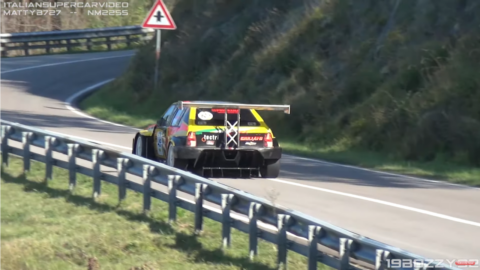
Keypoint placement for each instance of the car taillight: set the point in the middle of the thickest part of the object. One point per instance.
(268, 141)
(191, 139)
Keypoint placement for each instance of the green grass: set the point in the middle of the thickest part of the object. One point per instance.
(44, 226)
(436, 169)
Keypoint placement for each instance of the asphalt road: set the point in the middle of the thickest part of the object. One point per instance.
(430, 218)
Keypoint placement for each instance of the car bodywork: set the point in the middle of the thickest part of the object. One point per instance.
(207, 137)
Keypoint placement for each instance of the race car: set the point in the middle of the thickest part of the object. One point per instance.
(213, 138)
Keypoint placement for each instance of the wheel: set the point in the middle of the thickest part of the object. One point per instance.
(271, 169)
(140, 143)
(175, 162)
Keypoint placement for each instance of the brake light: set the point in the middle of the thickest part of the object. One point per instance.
(191, 139)
(229, 111)
(268, 141)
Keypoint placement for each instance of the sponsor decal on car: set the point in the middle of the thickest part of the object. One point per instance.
(209, 137)
(250, 143)
(210, 143)
(251, 138)
(205, 115)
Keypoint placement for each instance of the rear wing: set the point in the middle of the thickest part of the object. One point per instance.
(225, 105)
(232, 130)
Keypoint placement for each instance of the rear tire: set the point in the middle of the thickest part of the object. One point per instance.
(175, 162)
(271, 169)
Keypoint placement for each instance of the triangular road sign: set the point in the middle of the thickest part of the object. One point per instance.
(159, 18)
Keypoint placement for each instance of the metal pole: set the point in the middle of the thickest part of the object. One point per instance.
(157, 56)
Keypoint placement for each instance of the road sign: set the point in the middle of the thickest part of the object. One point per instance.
(159, 18)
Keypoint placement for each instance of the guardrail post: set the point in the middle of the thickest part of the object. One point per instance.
(69, 45)
(345, 249)
(148, 172)
(313, 236)
(109, 43)
(199, 192)
(381, 259)
(97, 156)
(6, 131)
(227, 221)
(26, 139)
(47, 46)
(173, 181)
(49, 144)
(122, 166)
(25, 48)
(72, 165)
(253, 232)
(89, 44)
(282, 225)
(128, 40)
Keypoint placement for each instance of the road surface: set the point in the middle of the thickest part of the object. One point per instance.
(430, 218)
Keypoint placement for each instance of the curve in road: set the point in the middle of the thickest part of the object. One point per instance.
(431, 218)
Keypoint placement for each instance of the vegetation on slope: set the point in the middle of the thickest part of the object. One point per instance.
(47, 227)
(396, 78)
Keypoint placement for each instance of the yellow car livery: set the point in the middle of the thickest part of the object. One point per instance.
(213, 138)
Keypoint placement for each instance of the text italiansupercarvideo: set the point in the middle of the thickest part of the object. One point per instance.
(65, 5)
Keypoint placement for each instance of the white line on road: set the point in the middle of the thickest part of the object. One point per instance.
(459, 220)
(385, 173)
(71, 99)
(91, 88)
(404, 207)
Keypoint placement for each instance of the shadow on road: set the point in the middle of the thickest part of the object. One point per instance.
(62, 121)
(314, 171)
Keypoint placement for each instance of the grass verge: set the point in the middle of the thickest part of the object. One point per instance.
(44, 226)
(96, 106)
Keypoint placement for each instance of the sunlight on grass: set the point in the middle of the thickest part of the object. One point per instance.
(118, 117)
(46, 227)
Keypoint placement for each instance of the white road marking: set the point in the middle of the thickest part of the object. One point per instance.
(386, 173)
(404, 207)
(71, 99)
(91, 88)
(459, 220)
(64, 63)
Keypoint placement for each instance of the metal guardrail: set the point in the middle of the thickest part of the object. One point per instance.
(53, 39)
(319, 241)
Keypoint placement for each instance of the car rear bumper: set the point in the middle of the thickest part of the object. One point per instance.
(243, 155)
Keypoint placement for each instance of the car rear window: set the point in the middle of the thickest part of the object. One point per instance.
(215, 117)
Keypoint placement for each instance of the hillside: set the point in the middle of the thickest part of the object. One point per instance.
(393, 77)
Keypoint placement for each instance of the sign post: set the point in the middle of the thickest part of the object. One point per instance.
(159, 18)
